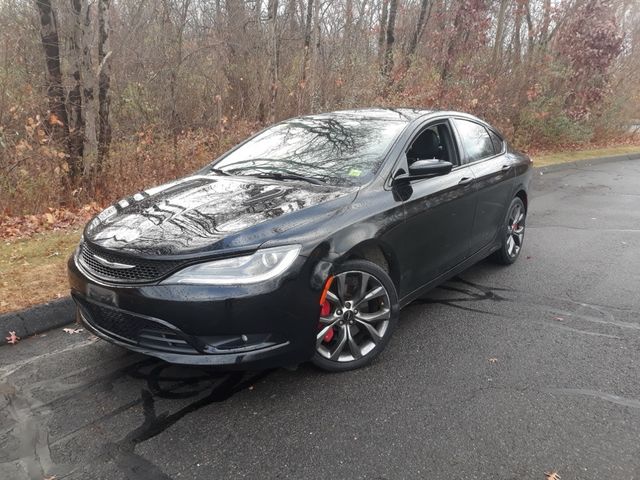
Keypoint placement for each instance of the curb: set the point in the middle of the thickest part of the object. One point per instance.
(585, 162)
(58, 313)
(40, 318)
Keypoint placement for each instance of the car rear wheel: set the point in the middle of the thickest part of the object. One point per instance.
(357, 318)
(513, 233)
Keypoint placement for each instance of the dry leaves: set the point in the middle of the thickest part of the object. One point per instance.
(54, 219)
(552, 475)
(54, 120)
(12, 338)
(492, 360)
(72, 331)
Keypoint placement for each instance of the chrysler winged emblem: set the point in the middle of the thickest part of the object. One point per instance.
(116, 265)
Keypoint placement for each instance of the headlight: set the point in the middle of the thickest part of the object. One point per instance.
(265, 264)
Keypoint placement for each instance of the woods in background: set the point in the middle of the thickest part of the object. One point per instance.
(100, 98)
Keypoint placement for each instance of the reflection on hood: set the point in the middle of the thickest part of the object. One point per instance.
(198, 211)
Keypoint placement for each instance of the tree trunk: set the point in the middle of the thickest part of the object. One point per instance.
(273, 62)
(76, 125)
(546, 22)
(348, 25)
(307, 41)
(387, 67)
(306, 52)
(90, 147)
(58, 120)
(517, 46)
(315, 84)
(497, 46)
(423, 17)
(530, 30)
(104, 81)
(452, 48)
(382, 33)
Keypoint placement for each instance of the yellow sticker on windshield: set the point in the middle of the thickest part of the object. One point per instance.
(355, 172)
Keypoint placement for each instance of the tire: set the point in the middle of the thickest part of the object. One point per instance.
(512, 233)
(356, 330)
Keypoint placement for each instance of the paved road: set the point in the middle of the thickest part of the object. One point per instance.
(503, 373)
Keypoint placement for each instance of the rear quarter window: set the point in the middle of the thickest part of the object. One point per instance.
(498, 143)
(475, 139)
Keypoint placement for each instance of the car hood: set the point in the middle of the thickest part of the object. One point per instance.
(207, 212)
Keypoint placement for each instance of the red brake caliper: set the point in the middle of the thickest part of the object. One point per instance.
(325, 310)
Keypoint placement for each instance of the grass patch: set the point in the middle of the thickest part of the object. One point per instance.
(34, 270)
(552, 158)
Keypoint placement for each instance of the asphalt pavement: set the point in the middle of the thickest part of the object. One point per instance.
(502, 373)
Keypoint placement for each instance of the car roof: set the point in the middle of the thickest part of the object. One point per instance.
(398, 114)
(391, 114)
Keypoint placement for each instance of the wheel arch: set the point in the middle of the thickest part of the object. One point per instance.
(522, 195)
(376, 252)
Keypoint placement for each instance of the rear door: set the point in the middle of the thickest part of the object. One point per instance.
(438, 211)
(494, 173)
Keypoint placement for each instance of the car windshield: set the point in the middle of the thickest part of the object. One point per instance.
(335, 149)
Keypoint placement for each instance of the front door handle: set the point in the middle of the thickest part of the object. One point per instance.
(465, 181)
(506, 168)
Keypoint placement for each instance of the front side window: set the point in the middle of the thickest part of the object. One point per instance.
(435, 142)
(335, 149)
(475, 140)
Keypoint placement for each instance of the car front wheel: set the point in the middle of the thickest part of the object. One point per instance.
(357, 318)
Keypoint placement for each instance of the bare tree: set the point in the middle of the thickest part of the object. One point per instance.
(423, 17)
(273, 58)
(315, 87)
(76, 127)
(104, 81)
(89, 111)
(387, 66)
(55, 91)
(497, 46)
(382, 31)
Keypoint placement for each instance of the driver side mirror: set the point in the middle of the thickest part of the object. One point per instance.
(429, 168)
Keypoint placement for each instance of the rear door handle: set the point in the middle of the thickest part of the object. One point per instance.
(465, 181)
(506, 168)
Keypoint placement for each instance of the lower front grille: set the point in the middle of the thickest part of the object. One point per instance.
(134, 329)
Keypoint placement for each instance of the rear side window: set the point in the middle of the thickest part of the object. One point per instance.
(475, 140)
(498, 143)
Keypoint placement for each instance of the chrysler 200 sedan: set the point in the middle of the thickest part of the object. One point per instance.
(303, 242)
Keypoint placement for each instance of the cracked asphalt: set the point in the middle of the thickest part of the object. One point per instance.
(502, 373)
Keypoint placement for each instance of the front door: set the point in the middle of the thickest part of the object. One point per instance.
(439, 211)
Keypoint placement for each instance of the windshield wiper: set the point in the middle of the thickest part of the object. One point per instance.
(219, 172)
(289, 176)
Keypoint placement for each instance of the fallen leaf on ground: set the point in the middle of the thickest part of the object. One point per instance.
(71, 331)
(12, 338)
(493, 360)
(559, 319)
(553, 475)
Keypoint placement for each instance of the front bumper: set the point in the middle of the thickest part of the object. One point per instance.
(245, 327)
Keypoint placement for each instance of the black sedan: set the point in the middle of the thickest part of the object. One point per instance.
(303, 242)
